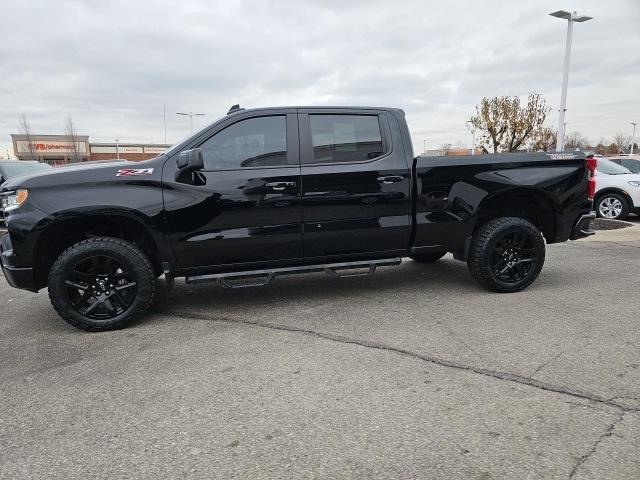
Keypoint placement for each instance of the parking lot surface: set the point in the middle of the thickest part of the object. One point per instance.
(414, 372)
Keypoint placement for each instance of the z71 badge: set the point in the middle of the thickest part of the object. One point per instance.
(133, 172)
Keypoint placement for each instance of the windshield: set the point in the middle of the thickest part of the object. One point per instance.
(13, 169)
(610, 168)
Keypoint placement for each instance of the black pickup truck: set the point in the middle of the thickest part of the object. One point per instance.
(274, 191)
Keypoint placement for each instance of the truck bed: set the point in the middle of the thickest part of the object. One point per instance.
(454, 194)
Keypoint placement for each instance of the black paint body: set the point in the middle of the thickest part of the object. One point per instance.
(297, 213)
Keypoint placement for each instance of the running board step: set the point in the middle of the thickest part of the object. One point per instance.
(259, 278)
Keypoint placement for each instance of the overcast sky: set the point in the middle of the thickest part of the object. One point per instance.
(111, 65)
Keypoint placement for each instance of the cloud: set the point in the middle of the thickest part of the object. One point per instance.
(113, 65)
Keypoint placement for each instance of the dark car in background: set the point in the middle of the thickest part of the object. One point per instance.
(14, 168)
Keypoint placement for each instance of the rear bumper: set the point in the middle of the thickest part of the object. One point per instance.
(582, 228)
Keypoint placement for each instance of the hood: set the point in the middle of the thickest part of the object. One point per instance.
(81, 173)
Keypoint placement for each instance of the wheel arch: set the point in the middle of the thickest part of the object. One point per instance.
(618, 190)
(69, 229)
(529, 204)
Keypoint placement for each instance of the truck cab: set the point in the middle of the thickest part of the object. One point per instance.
(287, 185)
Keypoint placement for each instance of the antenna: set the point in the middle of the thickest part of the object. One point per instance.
(235, 108)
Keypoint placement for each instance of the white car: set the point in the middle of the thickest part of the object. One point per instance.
(617, 191)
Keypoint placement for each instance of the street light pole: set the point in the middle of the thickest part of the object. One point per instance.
(190, 115)
(164, 118)
(633, 137)
(117, 149)
(565, 83)
(571, 18)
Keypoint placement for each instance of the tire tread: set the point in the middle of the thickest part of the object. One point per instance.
(476, 262)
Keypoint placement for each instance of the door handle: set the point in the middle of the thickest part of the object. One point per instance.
(390, 179)
(279, 186)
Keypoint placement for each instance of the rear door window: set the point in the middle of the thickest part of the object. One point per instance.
(345, 138)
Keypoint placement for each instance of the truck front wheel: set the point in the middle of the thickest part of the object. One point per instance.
(506, 254)
(101, 283)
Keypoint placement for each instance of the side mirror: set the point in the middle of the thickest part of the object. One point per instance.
(190, 160)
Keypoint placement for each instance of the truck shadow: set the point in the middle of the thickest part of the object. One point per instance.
(445, 277)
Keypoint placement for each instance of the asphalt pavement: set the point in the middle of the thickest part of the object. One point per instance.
(412, 373)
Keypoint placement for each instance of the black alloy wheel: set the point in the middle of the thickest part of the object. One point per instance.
(100, 287)
(514, 257)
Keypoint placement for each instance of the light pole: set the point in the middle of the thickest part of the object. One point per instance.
(190, 115)
(164, 118)
(633, 137)
(117, 149)
(570, 17)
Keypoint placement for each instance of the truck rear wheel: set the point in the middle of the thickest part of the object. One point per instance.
(101, 283)
(506, 255)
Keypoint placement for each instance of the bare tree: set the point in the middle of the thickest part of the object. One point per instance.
(545, 139)
(612, 149)
(576, 140)
(504, 125)
(25, 127)
(72, 139)
(622, 140)
(446, 148)
(600, 148)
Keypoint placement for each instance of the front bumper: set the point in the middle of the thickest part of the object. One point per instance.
(582, 228)
(18, 277)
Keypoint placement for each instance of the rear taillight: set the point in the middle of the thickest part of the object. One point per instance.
(592, 166)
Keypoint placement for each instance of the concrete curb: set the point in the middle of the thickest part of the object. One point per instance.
(630, 234)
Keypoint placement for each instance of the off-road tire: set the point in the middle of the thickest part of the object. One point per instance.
(124, 252)
(487, 238)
